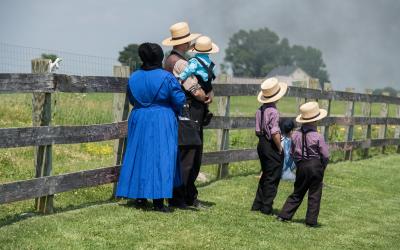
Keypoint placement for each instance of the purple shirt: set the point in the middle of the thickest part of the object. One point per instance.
(317, 148)
(270, 122)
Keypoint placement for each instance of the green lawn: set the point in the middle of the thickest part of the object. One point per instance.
(360, 210)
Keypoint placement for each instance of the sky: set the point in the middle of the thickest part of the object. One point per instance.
(359, 39)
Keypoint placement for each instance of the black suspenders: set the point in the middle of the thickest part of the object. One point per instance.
(211, 75)
(304, 146)
(262, 132)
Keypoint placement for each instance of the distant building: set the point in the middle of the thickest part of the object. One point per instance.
(290, 74)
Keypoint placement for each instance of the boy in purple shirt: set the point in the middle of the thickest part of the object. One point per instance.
(311, 154)
(269, 147)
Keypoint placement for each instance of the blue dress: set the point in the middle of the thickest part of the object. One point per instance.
(150, 167)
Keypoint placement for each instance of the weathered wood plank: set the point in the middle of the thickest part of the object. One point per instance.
(223, 134)
(384, 113)
(249, 122)
(253, 89)
(41, 116)
(350, 128)
(120, 113)
(14, 83)
(88, 84)
(22, 137)
(366, 111)
(227, 156)
(50, 185)
(326, 104)
(299, 100)
(26, 83)
(397, 129)
(36, 136)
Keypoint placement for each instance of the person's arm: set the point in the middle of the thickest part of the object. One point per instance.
(275, 130)
(191, 85)
(277, 140)
(323, 151)
(189, 70)
(177, 96)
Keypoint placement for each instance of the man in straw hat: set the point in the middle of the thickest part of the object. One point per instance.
(190, 155)
(311, 155)
(269, 147)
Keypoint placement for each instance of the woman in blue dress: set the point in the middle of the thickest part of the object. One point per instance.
(150, 167)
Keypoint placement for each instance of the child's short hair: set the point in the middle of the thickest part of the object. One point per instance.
(286, 126)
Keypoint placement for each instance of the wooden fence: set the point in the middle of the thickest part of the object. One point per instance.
(42, 135)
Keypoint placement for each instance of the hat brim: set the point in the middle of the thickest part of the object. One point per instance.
(322, 114)
(214, 49)
(283, 88)
(170, 42)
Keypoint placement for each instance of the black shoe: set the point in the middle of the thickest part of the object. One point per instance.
(182, 206)
(281, 219)
(199, 205)
(255, 209)
(266, 211)
(138, 203)
(313, 225)
(163, 209)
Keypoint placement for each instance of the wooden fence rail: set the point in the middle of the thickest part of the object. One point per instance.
(46, 186)
(48, 135)
(50, 83)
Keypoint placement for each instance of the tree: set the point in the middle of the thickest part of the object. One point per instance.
(255, 53)
(392, 92)
(129, 56)
(310, 60)
(52, 57)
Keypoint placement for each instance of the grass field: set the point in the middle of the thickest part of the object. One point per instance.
(360, 210)
(103, 219)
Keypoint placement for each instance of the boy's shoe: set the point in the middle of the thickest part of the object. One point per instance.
(266, 211)
(281, 219)
(313, 225)
(200, 205)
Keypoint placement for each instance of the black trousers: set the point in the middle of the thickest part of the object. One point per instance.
(309, 177)
(190, 161)
(271, 165)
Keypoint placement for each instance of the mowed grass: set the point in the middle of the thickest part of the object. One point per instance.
(360, 210)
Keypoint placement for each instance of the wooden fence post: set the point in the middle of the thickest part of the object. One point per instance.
(120, 113)
(397, 129)
(298, 99)
(223, 134)
(41, 116)
(326, 104)
(366, 111)
(350, 128)
(383, 128)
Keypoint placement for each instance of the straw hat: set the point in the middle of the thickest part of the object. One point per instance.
(310, 112)
(271, 90)
(204, 44)
(180, 34)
